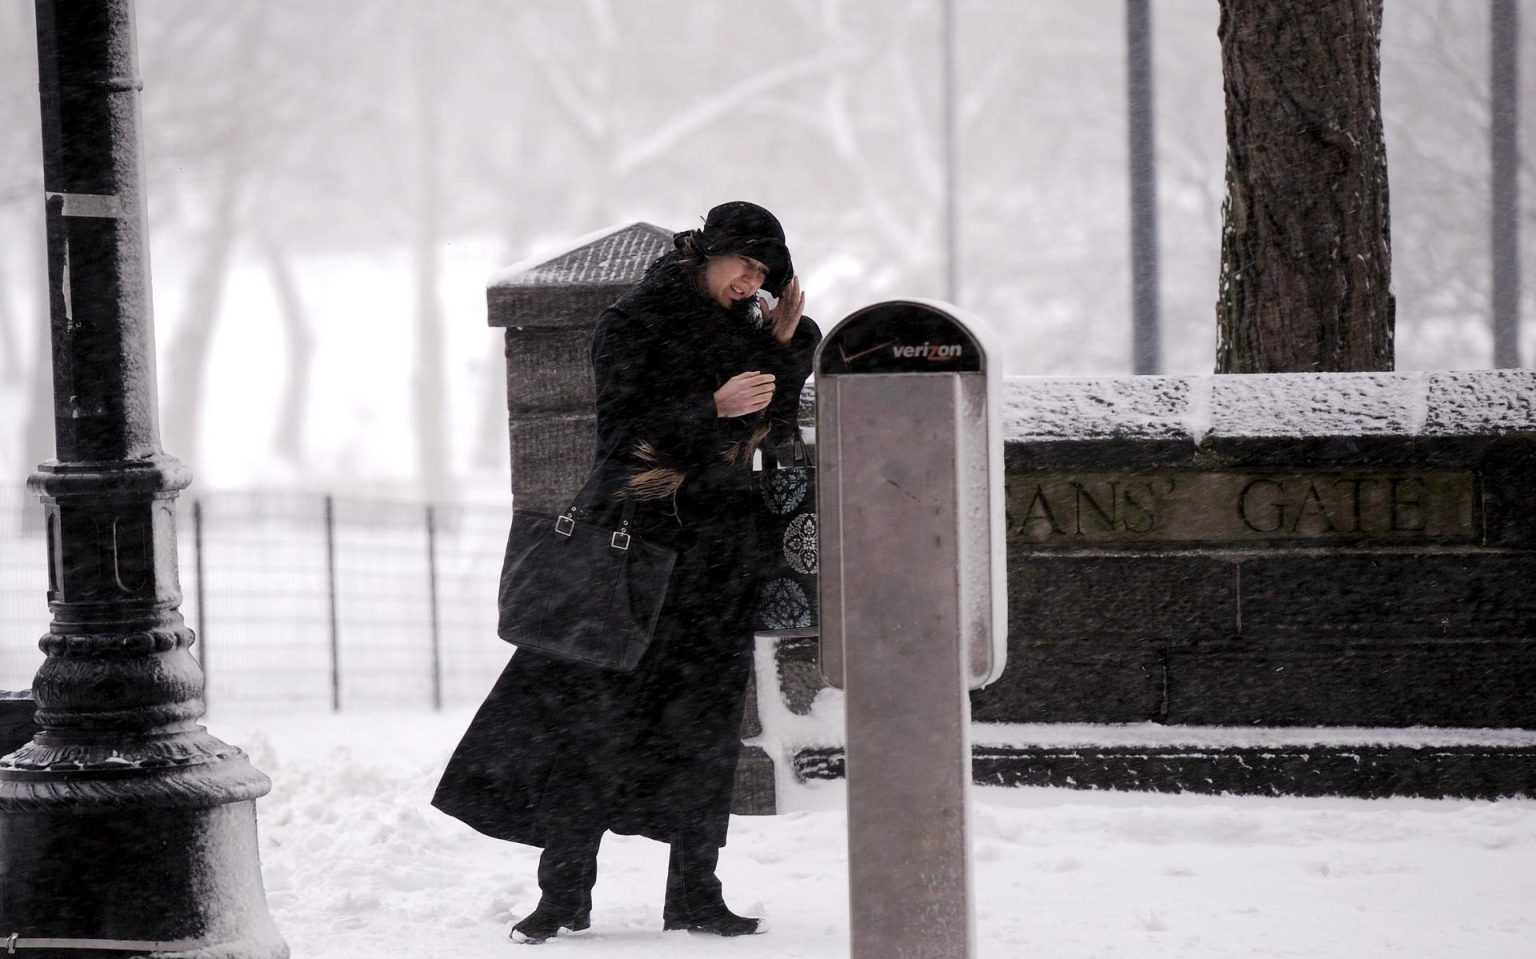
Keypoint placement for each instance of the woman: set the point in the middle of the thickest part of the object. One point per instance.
(693, 373)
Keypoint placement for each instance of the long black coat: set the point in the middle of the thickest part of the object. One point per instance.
(560, 748)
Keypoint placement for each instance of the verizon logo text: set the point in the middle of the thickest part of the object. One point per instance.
(927, 351)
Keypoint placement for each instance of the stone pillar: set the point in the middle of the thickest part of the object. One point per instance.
(549, 310)
(755, 793)
(124, 825)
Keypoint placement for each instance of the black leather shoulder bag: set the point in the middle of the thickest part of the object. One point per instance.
(579, 591)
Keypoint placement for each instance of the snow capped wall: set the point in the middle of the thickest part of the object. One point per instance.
(1398, 544)
(1280, 404)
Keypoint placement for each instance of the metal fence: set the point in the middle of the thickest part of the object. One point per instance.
(304, 600)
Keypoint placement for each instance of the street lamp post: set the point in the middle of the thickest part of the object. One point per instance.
(1146, 341)
(124, 825)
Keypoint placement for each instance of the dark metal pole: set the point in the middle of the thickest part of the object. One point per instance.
(1146, 346)
(123, 823)
(330, 586)
(1504, 150)
(951, 159)
(437, 641)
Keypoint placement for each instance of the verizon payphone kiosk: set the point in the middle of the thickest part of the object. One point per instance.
(913, 614)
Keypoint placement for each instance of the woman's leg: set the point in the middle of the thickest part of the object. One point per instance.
(694, 896)
(567, 873)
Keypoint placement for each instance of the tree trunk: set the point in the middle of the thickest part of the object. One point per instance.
(431, 401)
(1306, 254)
(37, 437)
(187, 356)
(293, 403)
(10, 343)
(491, 431)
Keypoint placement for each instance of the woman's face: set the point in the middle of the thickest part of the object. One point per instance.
(731, 278)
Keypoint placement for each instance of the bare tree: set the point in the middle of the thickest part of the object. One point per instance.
(241, 144)
(21, 207)
(293, 401)
(187, 357)
(11, 366)
(573, 52)
(1306, 250)
(21, 181)
(1438, 95)
(431, 414)
(221, 158)
(37, 442)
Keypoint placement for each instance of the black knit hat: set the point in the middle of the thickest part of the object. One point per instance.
(746, 229)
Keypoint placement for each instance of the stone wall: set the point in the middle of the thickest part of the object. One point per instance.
(1329, 549)
(1266, 579)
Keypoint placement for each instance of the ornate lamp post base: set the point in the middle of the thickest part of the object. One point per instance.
(183, 878)
(124, 821)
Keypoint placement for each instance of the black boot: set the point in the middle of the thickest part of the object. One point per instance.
(567, 872)
(547, 921)
(694, 900)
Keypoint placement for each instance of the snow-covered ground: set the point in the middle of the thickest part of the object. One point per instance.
(358, 864)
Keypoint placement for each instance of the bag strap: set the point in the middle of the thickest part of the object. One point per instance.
(591, 491)
(565, 523)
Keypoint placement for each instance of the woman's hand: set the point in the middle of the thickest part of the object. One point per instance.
(744, 393)
(784, 316)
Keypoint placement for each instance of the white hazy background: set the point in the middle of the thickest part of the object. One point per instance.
(332, 181)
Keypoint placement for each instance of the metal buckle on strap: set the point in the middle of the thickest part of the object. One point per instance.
(564, 525)
(620, 540)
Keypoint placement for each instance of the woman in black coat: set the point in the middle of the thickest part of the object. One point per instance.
(693, 374)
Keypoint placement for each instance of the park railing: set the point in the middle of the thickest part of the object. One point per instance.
(304, 600)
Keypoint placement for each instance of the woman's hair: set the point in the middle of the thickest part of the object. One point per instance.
(676, 267)
(687, 254)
